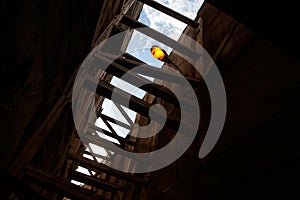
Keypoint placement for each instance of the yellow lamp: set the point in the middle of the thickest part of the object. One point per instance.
(159, 54)
(162, 55)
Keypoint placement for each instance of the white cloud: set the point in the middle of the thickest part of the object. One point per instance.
(164, 23)
(188, 8)
(168, 25)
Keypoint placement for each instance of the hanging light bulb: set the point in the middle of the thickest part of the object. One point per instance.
(159, 54)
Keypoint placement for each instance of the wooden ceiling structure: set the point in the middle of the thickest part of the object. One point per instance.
(103, 182)
(257, 148)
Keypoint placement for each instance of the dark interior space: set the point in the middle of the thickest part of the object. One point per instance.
(255, 45)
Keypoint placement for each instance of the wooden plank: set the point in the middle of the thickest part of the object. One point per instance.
(115, 121)
(92, 181)
(159, 37)
(126, 6)
(135, 104)
(106, 158)
(155, 72)
(99, 22)
(59, 167)
(88, 138)
(170, 12)
(128, 62)
(113, 135)
(118, 70)
(99, 167)
(59, 185)
(124, 113)
(74, 147)
(98, 38)
(112, 130)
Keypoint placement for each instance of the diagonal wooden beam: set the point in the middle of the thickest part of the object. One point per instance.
(89, 138)
(115, 121)
(111, 134)
(124, 113)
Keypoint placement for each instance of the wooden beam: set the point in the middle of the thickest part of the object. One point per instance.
(130, 62)
(57, 184)
(124, 113)
(98, 38)
(138, 105)
(111, 131)
(170, 12)
(159, 37)
(94, 155)
(90, 138)
(126, 6)
(118, 70)
(69, 147)
(127, 62)
(99, 167)
(92, 181)
(115, 121)
(113, 135)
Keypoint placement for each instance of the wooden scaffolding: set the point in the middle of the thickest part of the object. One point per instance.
(102, 182)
